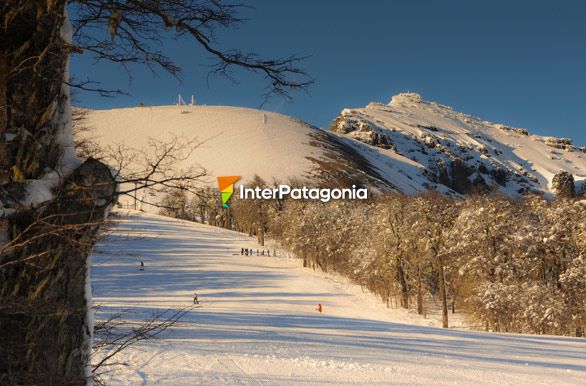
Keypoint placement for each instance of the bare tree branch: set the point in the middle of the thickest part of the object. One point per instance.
(116, 334)
(104, 92)
(134, 31)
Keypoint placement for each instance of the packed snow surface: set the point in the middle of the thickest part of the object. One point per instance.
(258, 325)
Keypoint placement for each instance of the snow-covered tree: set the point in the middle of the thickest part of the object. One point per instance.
(176, 204)
(563, 185)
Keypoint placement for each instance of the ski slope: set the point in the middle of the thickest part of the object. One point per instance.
(257, 323)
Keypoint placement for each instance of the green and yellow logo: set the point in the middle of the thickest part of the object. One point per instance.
(226, 184)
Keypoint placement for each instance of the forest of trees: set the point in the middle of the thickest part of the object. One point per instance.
(510, 265)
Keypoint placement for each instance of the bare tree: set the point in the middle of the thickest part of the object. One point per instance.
(84, 142)
(128, 32)
(438, 214)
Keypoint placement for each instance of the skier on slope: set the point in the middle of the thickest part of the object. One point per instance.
(319, 308)
(195, 299)
(141, 265)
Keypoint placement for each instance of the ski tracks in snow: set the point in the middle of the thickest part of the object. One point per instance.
(236, 374)
(257, 324)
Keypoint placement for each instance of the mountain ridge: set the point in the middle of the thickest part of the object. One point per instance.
(460, 151)
(409, 145)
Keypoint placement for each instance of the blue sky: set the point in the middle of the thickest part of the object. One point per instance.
(517, 62)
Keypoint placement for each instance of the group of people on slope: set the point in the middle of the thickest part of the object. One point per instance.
(250, 252)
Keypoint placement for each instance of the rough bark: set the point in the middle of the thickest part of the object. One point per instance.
(42, 300)
(4, 169)
(43, 326)
(35, 59)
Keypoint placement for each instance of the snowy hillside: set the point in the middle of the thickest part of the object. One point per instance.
(235, 141)
(409, 145)
(438, 146)
(257, 323)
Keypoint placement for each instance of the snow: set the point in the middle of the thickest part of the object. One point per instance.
(69, 160)
(235, 141)
(257, 323)
(242, 141)
(408, 121)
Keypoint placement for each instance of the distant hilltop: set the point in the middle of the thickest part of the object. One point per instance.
(464, 153)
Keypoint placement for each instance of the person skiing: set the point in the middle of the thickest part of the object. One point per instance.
(257, 252)
(263, 252)
(195, 299)
(141, 265)
(319, 308)
(268, 252)
(241, 251)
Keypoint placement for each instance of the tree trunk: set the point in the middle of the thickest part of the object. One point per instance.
(442, 293)
(419, 292)
(228, 219)
(261, 236)
(260, 230)
(4, 174)
(43, 312)
(404, 286)
(43, 309)
(202, 216)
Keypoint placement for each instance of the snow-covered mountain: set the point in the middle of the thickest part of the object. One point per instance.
(439, 147)
(238, 141)
(409, 145)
